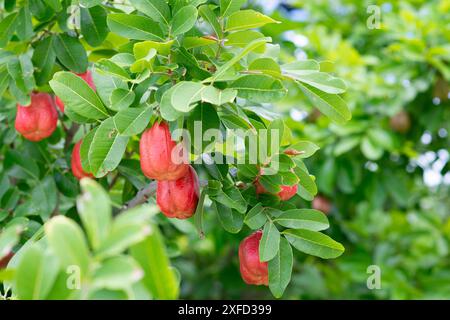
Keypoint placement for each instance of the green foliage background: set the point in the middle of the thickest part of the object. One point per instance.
(388, 190)
(382, 210)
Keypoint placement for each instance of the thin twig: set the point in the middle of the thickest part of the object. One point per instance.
(70, 134)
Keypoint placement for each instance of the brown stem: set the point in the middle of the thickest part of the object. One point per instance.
(142, 196)
(70, 133)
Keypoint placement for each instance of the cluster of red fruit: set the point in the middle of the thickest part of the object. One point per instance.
(161, 159)
(38, 121)
(166, 161)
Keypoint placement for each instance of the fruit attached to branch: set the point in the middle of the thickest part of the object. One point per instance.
(253, 271)
(161, 157)
(286, 193)
(179, 198)
(77, 169)
(38, 120)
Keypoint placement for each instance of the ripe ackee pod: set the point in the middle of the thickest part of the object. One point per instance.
(77, 168)
(253, 271)
(286, 193)
(161, 157)
(179, 198)
(38, 120)
(5, 260)
(87, 76)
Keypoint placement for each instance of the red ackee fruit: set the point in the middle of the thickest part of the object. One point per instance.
(87, 76)
(179, 198)
(77, 168)
(161, 157)
(38, 120)
(286, 193)
(253, 271)
(5, 260)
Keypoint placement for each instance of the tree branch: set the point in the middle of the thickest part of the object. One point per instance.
(70, 133)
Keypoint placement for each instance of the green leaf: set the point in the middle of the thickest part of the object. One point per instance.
(309, 219)
(247, 19)
(256, 217)
(24, 27)
(300, 68)
(133, 121)
(93, 25)
(253, 45)
(56, 4)
(143, 49)
(198, 217)
(108, 67)
(134, 27)
(40, 10)
(270, 242)
(70, 53)
(280, 269)
(228, 7)
(21, 70)
(333, 106)
(9, 237)
(128, 229)
(306, 148)
(94, 209)
(324, 82)
(44, 197)
(107, 149)
(77, 96)
(90, 3)
(314, 243)
(117, 273)
(68, 243)
(7, 28)
(306, 180)
(218, 97)
(202, 119)
(243, 38)
(105, 85)
(184, 20)
(271, 183)
(144, 63)
(167, 110)
(370, 149)
(84, 150)
(4, 81)
(266, 66)
(121, 99)
(159, 278)
(259, 88)
(231, 220)
(209, 16)
(158, 10)
(44, 59)
(186, 95)
(231, 197)
(195, 42)
(346, 144)
(28, 166)
(36, 272)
